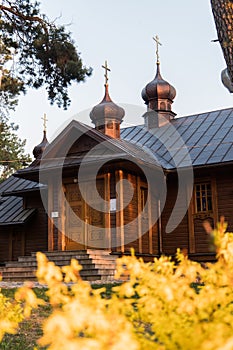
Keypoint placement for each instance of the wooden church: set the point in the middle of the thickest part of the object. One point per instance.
(149, 187)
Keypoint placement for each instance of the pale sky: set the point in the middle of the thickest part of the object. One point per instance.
(121, 32)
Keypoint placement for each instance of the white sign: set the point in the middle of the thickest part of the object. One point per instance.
(113, 204)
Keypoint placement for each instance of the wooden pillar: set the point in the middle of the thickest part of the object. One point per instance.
(159, 228)
(120, 213)
(107, 209)
(61, 219)
(214, 200)
(192, 248)
(50, 219)
(139, 215)
(150, 231)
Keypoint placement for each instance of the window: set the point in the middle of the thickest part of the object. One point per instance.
(110, 125)
(203, 197)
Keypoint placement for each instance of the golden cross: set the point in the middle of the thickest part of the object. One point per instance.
(156, 39)
(45, 120)
(106, 72)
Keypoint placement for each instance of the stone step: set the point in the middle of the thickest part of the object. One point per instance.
(22, 277)
(96, 265)
(86, 264)
(66, 260)
(75, 252)
(88, 271)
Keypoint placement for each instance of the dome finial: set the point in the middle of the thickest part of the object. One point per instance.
(39, 149)
(107, 69)
(158, 96)
(156, 39)
(107, 116)
(44, 120)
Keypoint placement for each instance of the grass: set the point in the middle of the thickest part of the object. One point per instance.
(30, 330)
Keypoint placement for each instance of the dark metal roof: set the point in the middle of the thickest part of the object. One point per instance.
(196, 140)
(11, 207)
(206, 138)
(12, 212)
(15, 186)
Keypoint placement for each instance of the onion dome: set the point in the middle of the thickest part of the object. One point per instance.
(107, 115)
(158, 89)
(39, 149)
(106, 110)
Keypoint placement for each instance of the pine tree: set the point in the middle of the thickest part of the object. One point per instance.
(12, 154)
(44, 54)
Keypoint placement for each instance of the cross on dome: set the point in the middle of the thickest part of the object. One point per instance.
(44, 122)
(107, 69)
(156, 39)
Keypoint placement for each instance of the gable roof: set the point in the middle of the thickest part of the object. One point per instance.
(208, 138)
(56, 155)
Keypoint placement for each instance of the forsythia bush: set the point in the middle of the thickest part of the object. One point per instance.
(162, 305)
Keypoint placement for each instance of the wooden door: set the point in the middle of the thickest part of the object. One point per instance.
(95, 217)
(75, 228)
(85, 225)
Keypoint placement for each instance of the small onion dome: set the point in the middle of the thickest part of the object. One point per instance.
(158, 89)
(106, 110)
(39, 149)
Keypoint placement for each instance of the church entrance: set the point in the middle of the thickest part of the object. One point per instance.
(85, 224)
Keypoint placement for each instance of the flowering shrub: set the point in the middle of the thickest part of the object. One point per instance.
(161, 306)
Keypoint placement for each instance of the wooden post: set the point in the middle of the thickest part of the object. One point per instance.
(107, 209)
(139, 215)
(120, 213)
(61, 219)
(50, 220)
(214, 200)
(192, 248)
(159, 227)
(150, 222)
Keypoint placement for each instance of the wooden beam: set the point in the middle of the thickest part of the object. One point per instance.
(159, 227)
(61, 219)
(50, 220)
(214, 200)
(192, 248)
(107, 208)
(120, 213)
(150, 222)
(139, 215)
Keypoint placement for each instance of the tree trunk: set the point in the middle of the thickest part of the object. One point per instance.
(223, 16)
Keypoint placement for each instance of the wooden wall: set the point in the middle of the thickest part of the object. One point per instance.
(36, 229)
(198, 246)
(4, 243)
(179, 237)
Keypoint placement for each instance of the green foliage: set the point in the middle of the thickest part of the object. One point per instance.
(45, 54)
(12, 155)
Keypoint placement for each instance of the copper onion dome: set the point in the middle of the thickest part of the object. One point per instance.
(107, 116)
(158, 89)
(106, 110)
